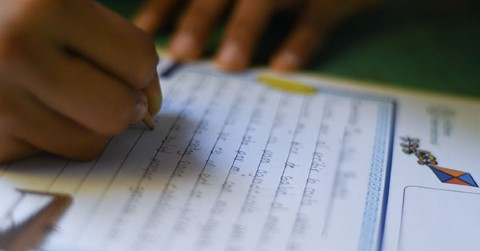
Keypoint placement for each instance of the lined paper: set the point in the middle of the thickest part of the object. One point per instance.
(232, 165)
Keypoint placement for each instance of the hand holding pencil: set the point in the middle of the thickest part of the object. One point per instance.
(72, 74)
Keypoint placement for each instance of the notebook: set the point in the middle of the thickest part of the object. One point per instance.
(269, 161)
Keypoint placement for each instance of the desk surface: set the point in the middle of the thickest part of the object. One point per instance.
(430, 45)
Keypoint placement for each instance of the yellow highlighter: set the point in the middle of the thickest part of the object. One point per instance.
(287, 85)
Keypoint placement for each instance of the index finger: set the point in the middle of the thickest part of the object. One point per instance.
(153, 14)
(249, 19)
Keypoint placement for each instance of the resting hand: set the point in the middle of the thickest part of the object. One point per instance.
(249, 17)
(72, 74)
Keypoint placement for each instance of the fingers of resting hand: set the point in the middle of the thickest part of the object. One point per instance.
(248, 21)
(318, 17)
(306, 37)
(34, 126)
(195, 28)
(298, 48)
(153, 14)
(111, 43)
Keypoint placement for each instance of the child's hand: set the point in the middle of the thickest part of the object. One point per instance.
(248, 20)
(71, 75)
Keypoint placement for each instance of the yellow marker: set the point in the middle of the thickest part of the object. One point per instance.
(287, 85)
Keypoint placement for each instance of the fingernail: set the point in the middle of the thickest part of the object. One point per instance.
(148, 19)
(141, 108)
(286, 61)
(183, 46)
(145, 21)
(231, 58)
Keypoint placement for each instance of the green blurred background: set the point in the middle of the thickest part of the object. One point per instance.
(424, 44)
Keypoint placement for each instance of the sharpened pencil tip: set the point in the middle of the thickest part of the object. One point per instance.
(149, 121)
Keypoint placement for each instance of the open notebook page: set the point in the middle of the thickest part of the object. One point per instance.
(232, 165)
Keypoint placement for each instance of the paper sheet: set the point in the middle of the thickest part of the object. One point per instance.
(425, 194)
(440, 214)
(232, 165)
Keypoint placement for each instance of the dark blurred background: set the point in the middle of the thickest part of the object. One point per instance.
(432, 45)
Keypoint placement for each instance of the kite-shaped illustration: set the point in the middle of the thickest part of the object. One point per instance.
(445, 175)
